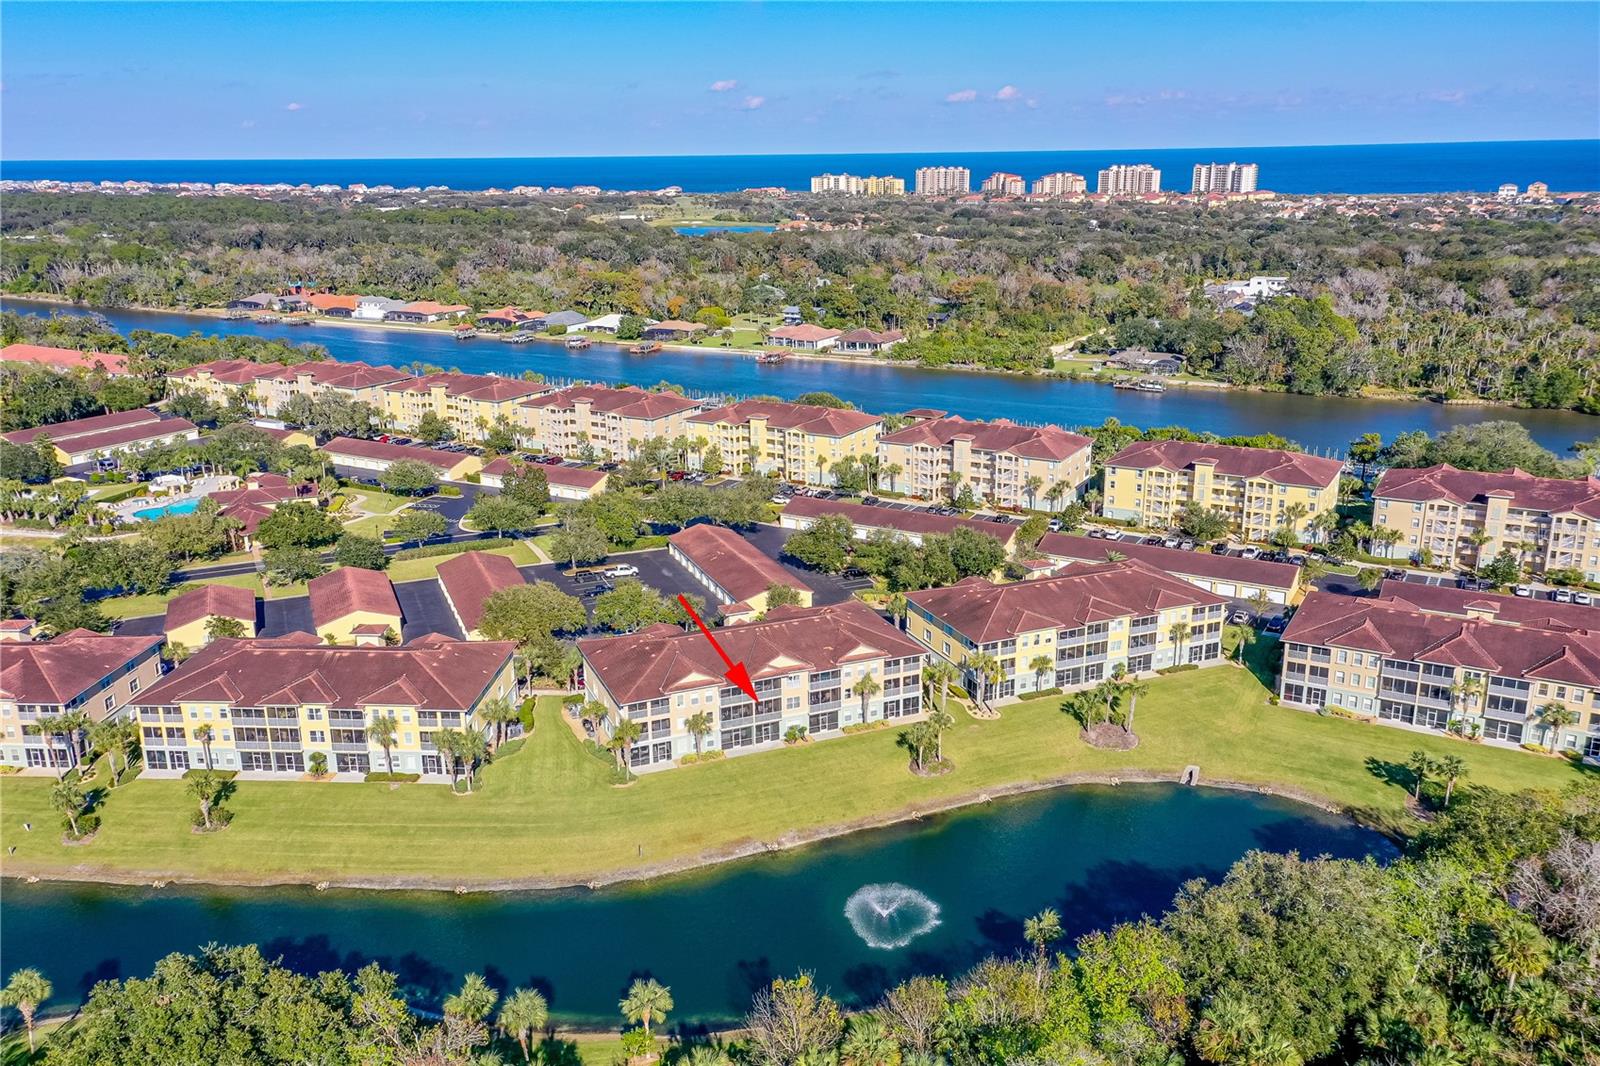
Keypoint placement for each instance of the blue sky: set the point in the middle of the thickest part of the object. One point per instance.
(283, 80)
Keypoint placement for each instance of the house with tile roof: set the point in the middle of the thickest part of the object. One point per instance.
(1078, 626)
(1479, 667)
(1468, 517)
(803, 337)
(510, 318)
(65, 359)
(353, 382)
(673, 329)
(602, 421)
(334, 305)
(272, 703)
(471, 578)
(261, 493)
(426, 311)
(471, 404)
(78, 671)
(793, 441)
(1007, 464)
(738, 575)
(189, 613)
(350, 605)
(867, 341)
(807, 666)
(1257, 490)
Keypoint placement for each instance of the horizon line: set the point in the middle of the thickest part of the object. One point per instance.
(779, 155)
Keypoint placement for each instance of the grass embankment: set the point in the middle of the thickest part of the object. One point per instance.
(548, 812)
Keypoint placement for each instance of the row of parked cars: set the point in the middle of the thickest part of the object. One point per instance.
(1563, 595)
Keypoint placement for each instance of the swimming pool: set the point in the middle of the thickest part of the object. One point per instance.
(181, 507)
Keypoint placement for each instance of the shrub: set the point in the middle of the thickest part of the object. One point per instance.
(712, 755)
(689, 759)
(380, 776)
(1180, 668)
(450, 491)
(636, 1043)
(201, 771)
(571, 699)
(1052, 691)
(220, 817)
(318, 764)
(453, 549)
(864, 727)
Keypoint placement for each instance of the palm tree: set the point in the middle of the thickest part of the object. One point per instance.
(473, 1002)
(1056, 493)
(1133, 688)
(1420, 766)
(868, 1043)
(917, 739)
(939, 720)
(1554, 716)
(1039, 665)
(892, 471)
(67, 798)
(1466, 691)
(866, 688)
(699, 727)
(206, 789)
(987, 670)
(940, 673)
(382, 733)
(473, 748)
(25, 991)
(1032, 487)
(1452, 768)
(1519, 950)
(523, 1013)
(647, 1001)
(1227, 1026)
(897, 608)
(1108, 691)
(1041, 931)
(108, 737)
(1178, 632)
(1259, 602)
(499, 712)
(447, 742)
(623, 736)
(204, 733)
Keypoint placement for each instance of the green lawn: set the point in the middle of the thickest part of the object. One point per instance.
(156, 602)
(548, 811)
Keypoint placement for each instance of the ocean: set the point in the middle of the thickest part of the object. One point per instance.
(1565, 166)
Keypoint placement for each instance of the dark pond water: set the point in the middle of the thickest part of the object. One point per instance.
(861, 913)
(1322, 424)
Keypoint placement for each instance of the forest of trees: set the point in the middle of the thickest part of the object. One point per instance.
(1478, 947)
(1502, 309)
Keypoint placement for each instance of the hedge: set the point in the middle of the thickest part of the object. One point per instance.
(430, 550)
(407, 778)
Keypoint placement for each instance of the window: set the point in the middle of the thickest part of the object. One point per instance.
(110, 701)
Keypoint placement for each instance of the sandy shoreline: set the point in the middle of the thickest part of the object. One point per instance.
(701, 860)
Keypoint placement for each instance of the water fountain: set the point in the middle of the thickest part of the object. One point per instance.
(891, 915)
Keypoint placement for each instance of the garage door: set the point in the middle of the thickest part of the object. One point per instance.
(1225, 588)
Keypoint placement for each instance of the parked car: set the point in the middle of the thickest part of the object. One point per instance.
(1171, 542)
(1250, 552)
(1276, 624)
(1187, 544)
(1562, 595)
(1239, 618)
(1525, 591)
(622, 570)
(779, 498)
(1582, 597)
(1055, 525)
(870, 501)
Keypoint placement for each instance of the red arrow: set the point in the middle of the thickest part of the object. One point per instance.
(736, 671)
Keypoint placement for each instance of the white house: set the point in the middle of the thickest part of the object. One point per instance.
(375, 308)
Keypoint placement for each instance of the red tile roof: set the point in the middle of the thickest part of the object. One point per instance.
(663, 658)
(825, 421)
(919, 522)
(64, 358)
(470, 577)
(871, 336)
(1272, 464)
(434, 673)
(348, 589)
(433, 307)
(231, 371)
(1513, 610)
(332, 375)
(59, 671)
(472, 386)
(1173, 560)
(1000, 435)
(629, 402)
(677, 326)
(222, 601)
(1521, 489)
(85, 427)
(327, 301)
(803, 332)
(572, 476)
(1398, 630)
(742, 569)
(984, 611)
(116, 438)
(384, 452)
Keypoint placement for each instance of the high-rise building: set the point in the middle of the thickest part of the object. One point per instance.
(851, 185)
(943, 181)
(1061, 183)
(1002, 184)
(1129, 180)
(1225, 177)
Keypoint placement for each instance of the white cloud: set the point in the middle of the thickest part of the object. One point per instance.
(294, 107)
(1008, 92)
(965, 96)
(724, 85)
(752, 103)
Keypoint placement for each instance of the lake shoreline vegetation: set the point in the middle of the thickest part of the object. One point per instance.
(1403, 303)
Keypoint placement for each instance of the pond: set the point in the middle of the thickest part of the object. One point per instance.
(861, 913)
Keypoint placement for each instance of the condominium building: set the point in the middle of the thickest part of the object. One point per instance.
(1069, 630)
(76, 672)
(848, 184)
(267, 388)
(810, 668)
(1061, 183)
(793, 441)
(221, 380)
(269, 705)
(471, 404)
(1258, 490)
(1129, 180)
(738, 575)
(84, 440)
(1008, 464)
(943, 181)
(887, 185)
(1468, 517)
(1225, 177)
(593, 420)
(1485, 665)
(1002, 184)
